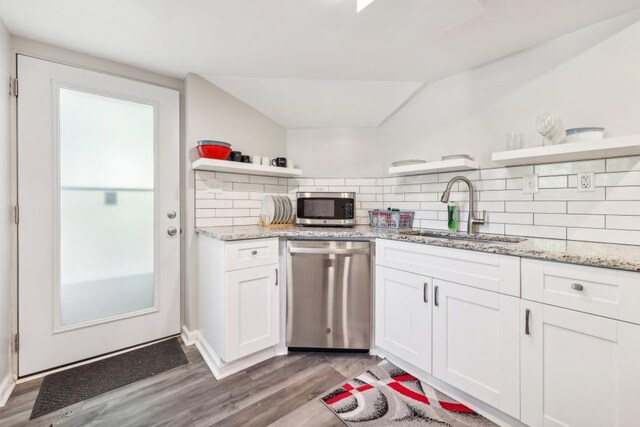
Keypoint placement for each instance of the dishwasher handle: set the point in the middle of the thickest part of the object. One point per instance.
(324, 251)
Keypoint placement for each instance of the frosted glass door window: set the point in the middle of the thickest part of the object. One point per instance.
(106, 202)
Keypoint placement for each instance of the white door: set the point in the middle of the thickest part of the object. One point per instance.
(98, 234)
(578, 370)
(476, 343)
(253, 310)
(403, 316)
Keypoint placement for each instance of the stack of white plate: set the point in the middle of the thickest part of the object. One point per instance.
(276, 210)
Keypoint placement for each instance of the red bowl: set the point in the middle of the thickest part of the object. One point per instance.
(214, 152)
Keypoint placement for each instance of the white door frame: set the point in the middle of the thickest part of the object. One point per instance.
(38, 50)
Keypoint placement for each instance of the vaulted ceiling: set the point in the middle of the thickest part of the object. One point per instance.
(306, 63)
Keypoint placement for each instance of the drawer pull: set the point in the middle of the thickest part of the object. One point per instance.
(425, 290)
(577, 287)
(436, 299)
(527, 315)
(254, 252)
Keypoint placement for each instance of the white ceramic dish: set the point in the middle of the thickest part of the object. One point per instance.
(268, 209)
(585, 134)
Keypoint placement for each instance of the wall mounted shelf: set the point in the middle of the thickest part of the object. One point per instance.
(435, 167)
(213, 165)
(571, 151)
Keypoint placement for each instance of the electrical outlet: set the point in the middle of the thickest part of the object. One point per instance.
(530, 184)
(586, 181)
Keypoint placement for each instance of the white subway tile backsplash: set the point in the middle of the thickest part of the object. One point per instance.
(329, 181)
(557, 210)
(505, 195)
(623, 164)
(213, 204)
(536, 207)
(565, 220)
(257, 179)
(570, 168)
(569, 194)
(552, 181)
(623, 222)
(536, 231)
(606, 207)
(359, 182)
(503, 173)
(623, 193)
(510, 218)
(617, 179)
(625, 237)
(241, 186)
(421, 179)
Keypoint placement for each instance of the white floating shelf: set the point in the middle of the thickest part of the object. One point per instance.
(570, 151)
(214, 165)
(434, 167)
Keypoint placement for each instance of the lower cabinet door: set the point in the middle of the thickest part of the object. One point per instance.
(403, 316)
(578, 370)
(476, 343)
(253, 307)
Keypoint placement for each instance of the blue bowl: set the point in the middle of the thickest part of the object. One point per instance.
(218, 143)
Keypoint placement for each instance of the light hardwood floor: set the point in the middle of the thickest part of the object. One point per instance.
(280, 392)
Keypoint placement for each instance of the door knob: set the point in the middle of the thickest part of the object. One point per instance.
(171, 214)
(172, 231)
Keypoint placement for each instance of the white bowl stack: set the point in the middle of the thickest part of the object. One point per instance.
(276, 210)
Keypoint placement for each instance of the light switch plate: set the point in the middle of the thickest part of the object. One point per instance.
(586, 181)
(530, 184)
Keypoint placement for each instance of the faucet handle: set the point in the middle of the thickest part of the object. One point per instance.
(482, 219)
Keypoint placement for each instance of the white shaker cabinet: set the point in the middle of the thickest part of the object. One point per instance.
(253, 310)
(403, 316)
(476, 343)
(578, 369)
(239, 301)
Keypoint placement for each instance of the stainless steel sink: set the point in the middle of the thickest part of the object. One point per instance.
(480, 238)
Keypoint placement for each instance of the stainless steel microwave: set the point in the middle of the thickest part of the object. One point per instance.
(326, 209)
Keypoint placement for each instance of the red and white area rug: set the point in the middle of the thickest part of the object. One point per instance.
(386, 395)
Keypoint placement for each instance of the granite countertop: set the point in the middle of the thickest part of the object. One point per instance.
(604, 255)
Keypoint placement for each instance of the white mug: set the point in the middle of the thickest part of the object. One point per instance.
(256, 160)
(290, 164)
(266, 161)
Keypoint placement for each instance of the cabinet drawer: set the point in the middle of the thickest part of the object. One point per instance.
(492, 272)
(250, 253)
(601, 291)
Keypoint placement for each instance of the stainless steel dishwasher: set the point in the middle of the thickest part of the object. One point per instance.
(329, 294)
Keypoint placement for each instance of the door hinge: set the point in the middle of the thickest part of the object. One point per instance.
(13, 86)
(16, 342)
(16, 214)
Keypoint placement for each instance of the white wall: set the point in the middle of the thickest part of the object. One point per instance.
(211, 113)
(5, 219)
(590, 77)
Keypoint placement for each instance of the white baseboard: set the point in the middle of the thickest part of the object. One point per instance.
(188, 336)
(487, 411)
(6, 387)
(222, 369)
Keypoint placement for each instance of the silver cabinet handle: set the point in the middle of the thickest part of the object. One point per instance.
(172, 231)
(320, 251)
(276, 277)
(425, 291)
(436, 299)
(577, 287)
(527, 315)
(254, 252)
(171, 214)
